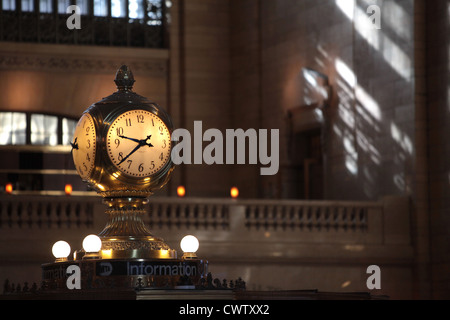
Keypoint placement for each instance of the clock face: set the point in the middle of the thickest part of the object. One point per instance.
(138, 143)
(84, 145)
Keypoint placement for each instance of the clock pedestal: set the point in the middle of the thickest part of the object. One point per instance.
(126, 235)
(122, 149)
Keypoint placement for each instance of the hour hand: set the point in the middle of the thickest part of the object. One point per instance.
(132, 139)
(74, 144)
(148, 143)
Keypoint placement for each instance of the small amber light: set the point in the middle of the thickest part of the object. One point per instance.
(106, 254)
(181, 191)
(9, 188)
(68, 189)
(234, 192)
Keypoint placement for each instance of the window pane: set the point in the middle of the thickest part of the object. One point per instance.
(9, 5)
(100, 8)
(154, 12)
(84, 6)
(44, 129)
(13, 128)
(68, 130)
(136, 9)
(45, 6)
(27, 5)
(118, 8)
(63, 5)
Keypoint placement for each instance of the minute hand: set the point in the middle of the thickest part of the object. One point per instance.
(134, 150)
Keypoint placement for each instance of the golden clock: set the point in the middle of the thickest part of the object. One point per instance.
(84, 146)
(138, 143)
(122, 149)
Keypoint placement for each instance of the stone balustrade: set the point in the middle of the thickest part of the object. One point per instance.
(333, 219)
(271, 244)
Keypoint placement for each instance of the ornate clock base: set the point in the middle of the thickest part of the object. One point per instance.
(126, 236)
(136, 248)
(127, 274)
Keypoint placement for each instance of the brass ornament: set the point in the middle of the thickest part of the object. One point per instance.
(126, 162)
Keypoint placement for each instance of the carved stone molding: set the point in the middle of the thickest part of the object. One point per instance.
(65, 58)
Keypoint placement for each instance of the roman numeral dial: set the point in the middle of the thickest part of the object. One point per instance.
(138, 143)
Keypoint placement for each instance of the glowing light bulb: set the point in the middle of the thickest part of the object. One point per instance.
(68, 189)
(234, 192)
(181, 191)
(61, 250)
(92, 244)
(189, 245)
(9, 188)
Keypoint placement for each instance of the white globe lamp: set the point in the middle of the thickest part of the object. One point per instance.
(189, 244)
(61, 250)
(92, 245)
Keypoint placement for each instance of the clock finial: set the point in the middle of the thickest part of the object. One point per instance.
(124, 78)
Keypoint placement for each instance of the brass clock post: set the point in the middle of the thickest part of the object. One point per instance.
(122, 147)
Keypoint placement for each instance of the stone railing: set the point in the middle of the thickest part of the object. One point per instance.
(368, 222)
(265, 215)
(46, 211)
(286, 220)
(269, 243)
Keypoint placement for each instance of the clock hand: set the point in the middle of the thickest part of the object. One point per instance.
(142, 143)
(135, 140)
(148, 143)
(134, 150)
(74, 144)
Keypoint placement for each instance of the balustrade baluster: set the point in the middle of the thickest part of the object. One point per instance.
(336, 218)
(19, 209)
(30, 214)
(39, 214)
(344, 219)
(48, 214)
(326, 218)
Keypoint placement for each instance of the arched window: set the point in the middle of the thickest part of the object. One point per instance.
(20, 128)
(36, 152)
(13, 128)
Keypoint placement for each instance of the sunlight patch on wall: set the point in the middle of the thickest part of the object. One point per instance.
(399, 182)
(397, 19)
(397, 59)
(322, 57)
(345, 72)
(365, 145)
(347, 7)
(345, 83)
(351, 157)
(378, 40)
(402, 139)
(368, 103)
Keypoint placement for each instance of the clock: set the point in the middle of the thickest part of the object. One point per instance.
(138, 143)
(84, 146)
(122, 149)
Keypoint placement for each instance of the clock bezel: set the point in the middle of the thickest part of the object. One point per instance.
(153, 181)
(153, 123)
(88, 178)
